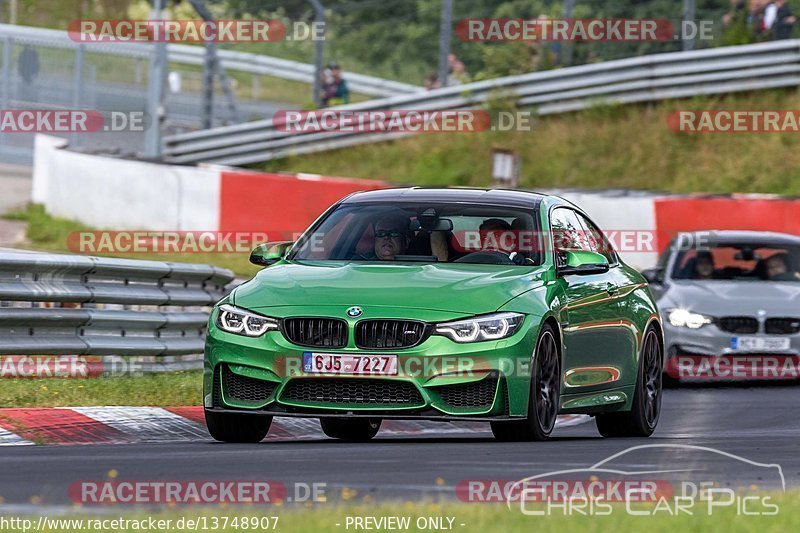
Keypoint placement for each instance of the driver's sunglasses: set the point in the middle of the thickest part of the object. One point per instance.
(383, 234)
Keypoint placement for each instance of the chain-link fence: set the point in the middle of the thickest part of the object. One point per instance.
(45, 70)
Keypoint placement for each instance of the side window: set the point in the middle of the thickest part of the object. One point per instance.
(597, 241)
(567, 233)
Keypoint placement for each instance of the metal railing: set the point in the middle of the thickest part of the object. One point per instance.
(194, 55)
(53, 304)
(640, 79)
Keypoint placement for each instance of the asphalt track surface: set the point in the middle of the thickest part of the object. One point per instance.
(758, 424)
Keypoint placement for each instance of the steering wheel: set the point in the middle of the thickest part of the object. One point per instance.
(489, 257)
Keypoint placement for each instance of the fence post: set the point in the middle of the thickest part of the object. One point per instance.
(445, 40)
(7, 45)
(565, 51)
(155, 91)
(688, 16)
(77, 88)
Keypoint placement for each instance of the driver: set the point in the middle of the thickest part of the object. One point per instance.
(391, 236)
(704, 265)
(778, 268)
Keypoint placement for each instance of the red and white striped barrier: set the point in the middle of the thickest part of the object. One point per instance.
(126, 425)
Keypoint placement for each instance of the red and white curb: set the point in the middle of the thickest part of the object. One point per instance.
(127, 425)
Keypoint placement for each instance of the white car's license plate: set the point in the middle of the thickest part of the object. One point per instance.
(764, 344)
(350, 364)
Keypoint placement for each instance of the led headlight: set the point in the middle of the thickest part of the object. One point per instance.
(482, 328)
(683, 318)
(242, 322)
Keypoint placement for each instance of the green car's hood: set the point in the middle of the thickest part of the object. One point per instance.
(462, 288)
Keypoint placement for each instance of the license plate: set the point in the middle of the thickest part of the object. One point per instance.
(351, 364)
(765, 344)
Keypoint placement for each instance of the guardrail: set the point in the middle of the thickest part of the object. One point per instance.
(194, 55)
(111, 307)
(639, 79)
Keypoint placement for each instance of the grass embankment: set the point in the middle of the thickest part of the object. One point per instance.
(604, 147)
(480, 517)
(169, 389)
(48, 233)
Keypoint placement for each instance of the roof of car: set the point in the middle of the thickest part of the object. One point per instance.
(461, 195)
(747, 237)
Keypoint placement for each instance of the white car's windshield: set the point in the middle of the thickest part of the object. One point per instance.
(753, 262)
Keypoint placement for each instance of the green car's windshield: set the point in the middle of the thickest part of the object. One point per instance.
(429, 233)
(746, 262)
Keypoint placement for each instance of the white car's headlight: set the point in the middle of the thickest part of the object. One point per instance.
(683, 318)
(482, 328)
(242, 322)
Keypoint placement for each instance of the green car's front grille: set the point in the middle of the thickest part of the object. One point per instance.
(479, 394)
(385, 334)
(340, 391)
(316, 332)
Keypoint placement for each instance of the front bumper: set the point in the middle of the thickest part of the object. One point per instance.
(707, 353)
(438, 379)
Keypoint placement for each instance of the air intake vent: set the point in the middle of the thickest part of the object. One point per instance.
(479, 394)
(246, 389)
(353, 391)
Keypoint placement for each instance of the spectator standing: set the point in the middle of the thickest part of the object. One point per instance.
(432, 82)
(784, 20)
(334, 88)
(29, 70)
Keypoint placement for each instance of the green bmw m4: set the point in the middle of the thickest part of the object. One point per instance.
(440, 304)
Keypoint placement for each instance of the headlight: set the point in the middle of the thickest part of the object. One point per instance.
(482, 328)
(682, 318)
(235, 320)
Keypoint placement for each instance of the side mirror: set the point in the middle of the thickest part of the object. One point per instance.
(269, 253)
(584, 263)
(653, 275)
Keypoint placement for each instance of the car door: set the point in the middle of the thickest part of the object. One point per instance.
(596, 344)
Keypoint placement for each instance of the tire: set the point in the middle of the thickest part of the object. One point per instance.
(544, 398)
(351, 429)
(233, 427)
(642, 419)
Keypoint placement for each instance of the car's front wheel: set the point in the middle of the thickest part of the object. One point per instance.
(234, 427)
(642, 419)
(351, 429)
(543, 404)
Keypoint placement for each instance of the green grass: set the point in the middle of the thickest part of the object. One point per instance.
(324, 518)
(168, 390)
(607, 146)
(48, 233)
